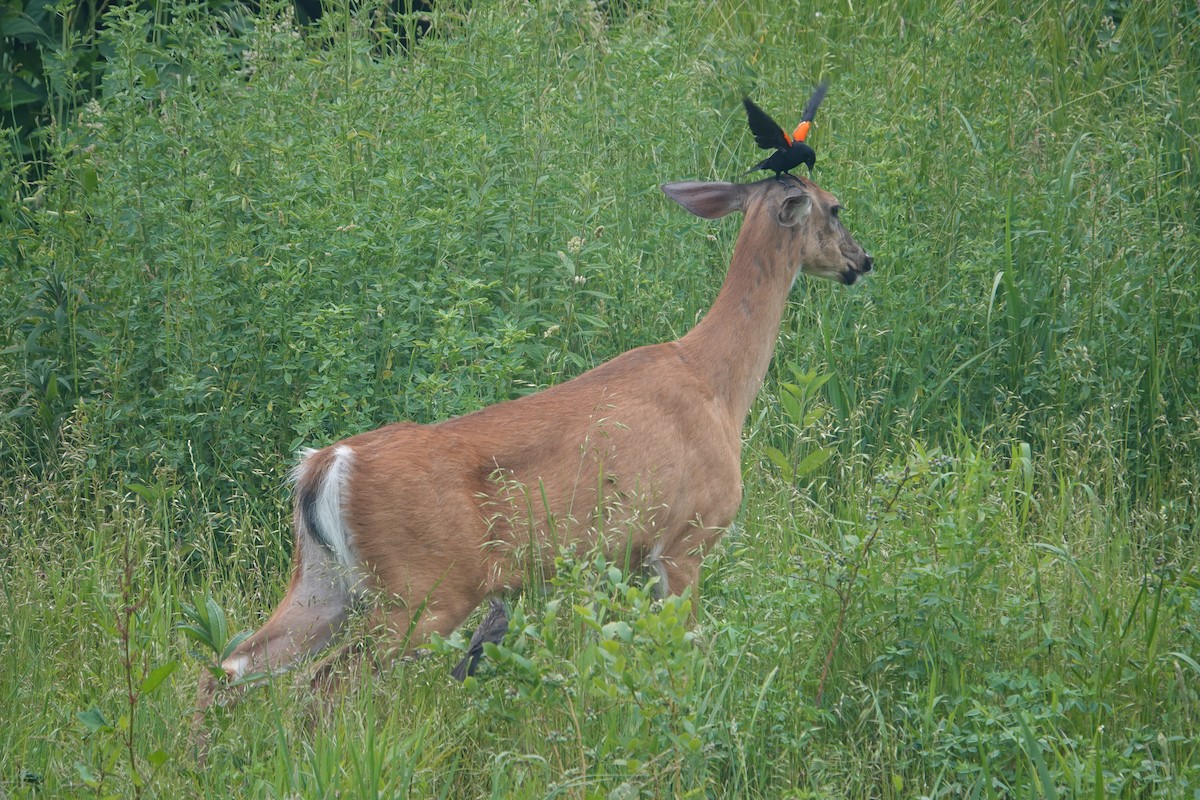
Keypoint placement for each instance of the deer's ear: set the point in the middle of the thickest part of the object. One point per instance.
(794, 209)
(708, 200)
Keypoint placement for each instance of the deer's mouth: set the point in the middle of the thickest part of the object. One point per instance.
(857, 267)
(850, 270)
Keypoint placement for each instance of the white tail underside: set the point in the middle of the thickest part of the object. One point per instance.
(327, 514)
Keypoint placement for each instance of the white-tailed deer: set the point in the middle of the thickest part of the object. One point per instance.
(640, 456)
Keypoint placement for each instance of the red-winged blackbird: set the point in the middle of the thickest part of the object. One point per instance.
(492, 629)
(790, 151)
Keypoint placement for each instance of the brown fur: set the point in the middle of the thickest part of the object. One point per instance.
(641, 455)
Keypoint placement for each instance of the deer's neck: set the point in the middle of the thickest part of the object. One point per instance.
(731, 347)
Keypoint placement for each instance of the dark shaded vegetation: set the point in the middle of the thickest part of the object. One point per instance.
(53, 56)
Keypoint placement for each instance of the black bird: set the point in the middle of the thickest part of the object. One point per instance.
(790, 151)
(492, 629)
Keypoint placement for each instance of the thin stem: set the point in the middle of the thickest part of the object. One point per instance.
(844, 595)
(125, 624)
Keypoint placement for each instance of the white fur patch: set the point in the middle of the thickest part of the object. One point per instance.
(328, 509)
(328, 515)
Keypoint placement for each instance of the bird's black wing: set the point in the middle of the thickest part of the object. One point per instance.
(818, 95)
(767, 133)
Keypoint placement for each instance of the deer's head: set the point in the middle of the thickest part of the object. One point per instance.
(785, 212)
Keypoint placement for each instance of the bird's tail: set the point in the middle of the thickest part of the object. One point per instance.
(459, 673)
(755, 168)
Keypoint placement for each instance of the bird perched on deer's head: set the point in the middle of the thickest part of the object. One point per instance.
(790, 151)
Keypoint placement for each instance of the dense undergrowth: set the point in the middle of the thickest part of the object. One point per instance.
(967, 562)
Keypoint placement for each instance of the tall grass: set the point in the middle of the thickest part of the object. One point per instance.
(970, 481)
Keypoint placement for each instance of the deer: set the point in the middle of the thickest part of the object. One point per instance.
(639, 456)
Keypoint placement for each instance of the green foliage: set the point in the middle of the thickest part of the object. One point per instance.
(121, 744)
(970, 481)
(204, 623)
(801, 411)
(623, 672)
(55, 353)
(965, 643)
(53, 57)
(50, 58)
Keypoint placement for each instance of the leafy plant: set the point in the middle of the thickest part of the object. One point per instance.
(799, 400)
(204, 625)
(617, 660)
(55, 353)
(49, 56)
(121, 740)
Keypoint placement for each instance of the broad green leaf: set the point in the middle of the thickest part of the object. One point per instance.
(618, 630)
(792, 407)
(812, 461)
(814, 414)
(777, 458)
(233, 643)
(20, 93)
(198, 634)
(150, 494)
(86, 775)
(157, 676)
(23, 28)
(93, 719)
(216, 623)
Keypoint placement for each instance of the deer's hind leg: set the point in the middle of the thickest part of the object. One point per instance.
(398, 626)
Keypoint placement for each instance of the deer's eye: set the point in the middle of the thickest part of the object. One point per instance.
(835, 211)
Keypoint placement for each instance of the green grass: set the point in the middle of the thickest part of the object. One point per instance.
(982, 460)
